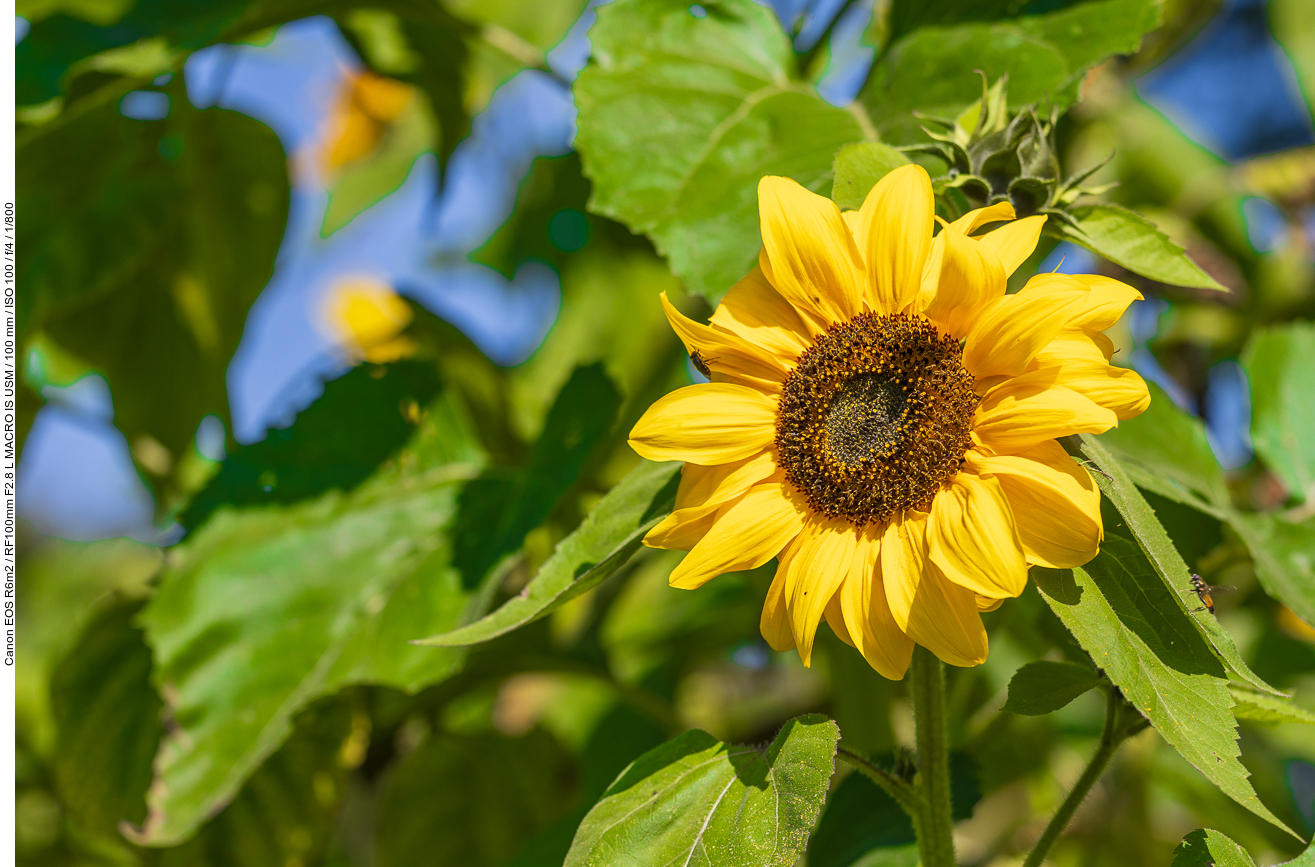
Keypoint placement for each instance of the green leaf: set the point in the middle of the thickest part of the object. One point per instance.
(857, 168)
(336, 443)
(1165, 451)
(472, 800)
(365, 182)
(1045, 686)
(265, 609)
(1129, 239)
(1205, 847)
(108, 721)
(145, 243)
(287, 812)
(1135, 629)
(680, 116)
(1118, 487)
(1279, 361)
(934, 69)
(697, 798)
(1259, 707)
(607, 538)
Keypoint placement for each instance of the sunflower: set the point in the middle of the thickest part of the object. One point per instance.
(882, 418)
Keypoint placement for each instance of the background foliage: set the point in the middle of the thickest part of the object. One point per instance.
(414, 625)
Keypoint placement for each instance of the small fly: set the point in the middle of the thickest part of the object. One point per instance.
(701, 363)
(1204, 591)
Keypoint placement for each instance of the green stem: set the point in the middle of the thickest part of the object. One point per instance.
(892, 785)
(1117, 729)
(934, 821)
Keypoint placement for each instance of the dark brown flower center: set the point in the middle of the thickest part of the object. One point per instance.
(875, 417)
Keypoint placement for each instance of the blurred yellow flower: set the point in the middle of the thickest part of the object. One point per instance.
(366, 104)
(366, 318)
(882, 417)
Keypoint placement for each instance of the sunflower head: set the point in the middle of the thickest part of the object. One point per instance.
(882, 419)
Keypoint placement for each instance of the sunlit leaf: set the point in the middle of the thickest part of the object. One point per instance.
(1137, 633)
(265, 609)
(857, 168)
(1279, 361)
(1129, 239)
(1045, 686)
(610, 534)
(681, 115)
(1259, 707)
(695, 798)
(1206, 847)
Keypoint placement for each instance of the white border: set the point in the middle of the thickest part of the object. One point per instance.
(8, 453)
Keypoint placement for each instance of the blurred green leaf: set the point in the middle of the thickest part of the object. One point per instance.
(1165, 451)
(695, 797)
(1129, 239)
(337, 442)
(1279, 361)
(108, 721)
(1045, 686)
(499, 508)
(680, 116)
(934, 69)
(285, 813)
(861, 820)
(473, 800)
(857, 168)
(265, 609)
(1143, 525)
(610, 534)
(145, 243)
(1136, 631)
(1259, 707)
(1205, 847)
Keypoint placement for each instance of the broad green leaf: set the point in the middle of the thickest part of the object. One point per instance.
(681, 115)
(1045, 686)
(1279, 361)
(1206, 847)
(1117, 485)
(1135, 629)
(934, 69)
(1129, 239)
(145, 243)
(472, 800)
(287, 812)
(857, 168)
(336, 443)
(108, 722)
(697, 799)
(1259, 707)
(860, 819)
(364, 182)
(1189, 474)
(265, 609)
(607, 538)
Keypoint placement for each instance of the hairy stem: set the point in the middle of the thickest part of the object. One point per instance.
(1117, 729)
(934, 821)
(892, 785)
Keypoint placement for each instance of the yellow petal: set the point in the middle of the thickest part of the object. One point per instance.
(755, 311)
(985, 604)
(775, 624)
(1055, 502)
(933, 611)
(706, 424)
(1015, 328)
(1115, 388)
(818, 566)
(728, 354)
(870, 624)
(978, 217)
(835, 618)
(971, 537)
(971, 277)
(898, 216)
(812, 258)
(1105, 303)
(1074, 345)
(717, 484)
(683, 528)
(1014, 242)
(1019, 414)
(747, 533)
